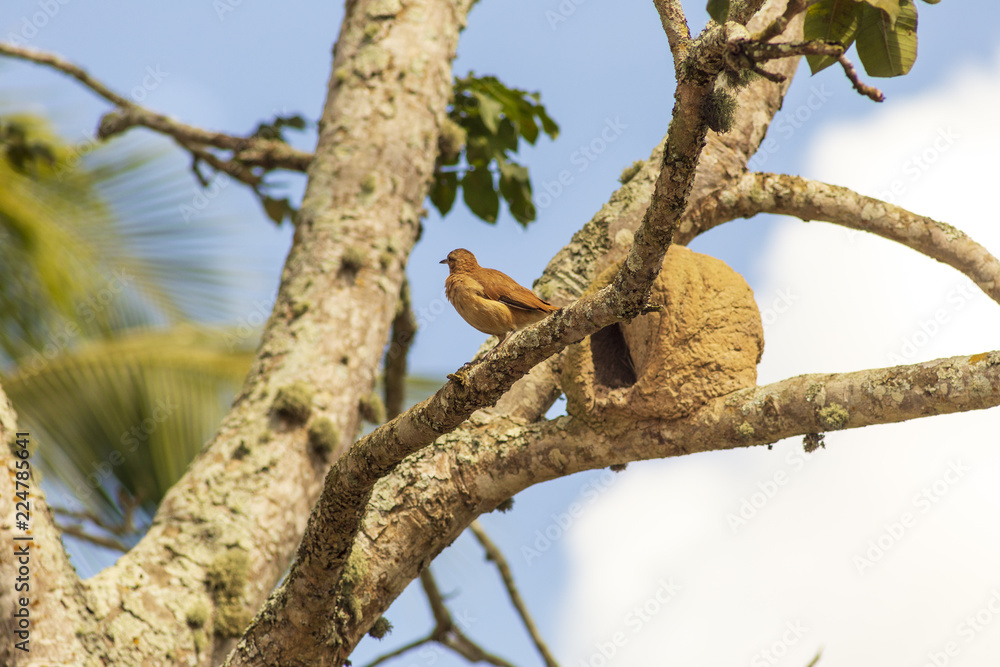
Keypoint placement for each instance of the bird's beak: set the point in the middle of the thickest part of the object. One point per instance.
(443, 261)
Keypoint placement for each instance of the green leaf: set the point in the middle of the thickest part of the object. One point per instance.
(887, 50)
(834, 20)
(138, 407)
(494, 118)
(718, 10)
(480, 195)
(489, 110)
(890, 7)
(277, 209)
(507, 136)
(549, 126)
(516, 190)
(444, 190)
(478, 151)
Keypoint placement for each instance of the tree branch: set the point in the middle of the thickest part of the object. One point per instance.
(813, 200)
(249, 151)
(676, 26)
(601, 242)
(494, 554)
(413, 514)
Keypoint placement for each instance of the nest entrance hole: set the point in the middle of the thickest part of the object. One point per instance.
(613, 366)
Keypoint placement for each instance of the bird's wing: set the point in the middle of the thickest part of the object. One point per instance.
(501, 287)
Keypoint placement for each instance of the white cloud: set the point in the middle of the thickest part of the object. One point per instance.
(802, 572)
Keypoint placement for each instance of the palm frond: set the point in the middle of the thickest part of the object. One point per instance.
(132, 411)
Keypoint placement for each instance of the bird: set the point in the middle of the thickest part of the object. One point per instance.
(490, 300)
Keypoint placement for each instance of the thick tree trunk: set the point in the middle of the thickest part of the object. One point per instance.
(227, 530)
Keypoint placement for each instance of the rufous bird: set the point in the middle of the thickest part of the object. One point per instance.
(490, 300)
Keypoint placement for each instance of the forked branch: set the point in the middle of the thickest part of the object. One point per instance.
(494, 554)
(247, 152)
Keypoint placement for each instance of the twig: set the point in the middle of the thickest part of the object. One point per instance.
(758, 52)
(676, 26)
(124, 527)
(404, 327)
(106, 542)
(250, 151)
(444, 632)
(868, 91)
(780, 23)
(442, 618)
(235, 169)
(748, 54)
(494, 554)
(770, 76)
(400, 651)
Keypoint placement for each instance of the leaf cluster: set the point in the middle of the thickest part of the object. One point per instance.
(493, 119)
(885, 32)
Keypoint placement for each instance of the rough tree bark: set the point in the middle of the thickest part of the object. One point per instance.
(227, 531)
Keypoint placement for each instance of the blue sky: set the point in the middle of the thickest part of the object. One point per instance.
(606, 63)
